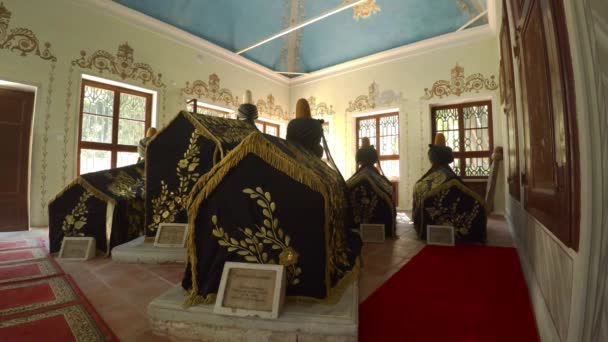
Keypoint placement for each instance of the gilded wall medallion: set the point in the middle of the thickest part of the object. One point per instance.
(460, 84)
(374, 99)
(123, 65)
(212, 91)
(270, 110)
(21, 39)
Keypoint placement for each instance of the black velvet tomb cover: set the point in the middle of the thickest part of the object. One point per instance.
(371, 196)
(272, 202)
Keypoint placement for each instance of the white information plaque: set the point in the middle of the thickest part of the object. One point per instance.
(251, 290)
(440, 235)
(77, 248)
(171, 235)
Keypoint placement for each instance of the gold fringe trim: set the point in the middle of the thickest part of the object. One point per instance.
(202, 130)
(257, 145)
(334, 297)
(159, 133)
(88, 187)
(382, 194)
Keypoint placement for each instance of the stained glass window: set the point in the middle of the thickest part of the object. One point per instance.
(468, 131)
(268, 127)
(383, 132)
(113, 120)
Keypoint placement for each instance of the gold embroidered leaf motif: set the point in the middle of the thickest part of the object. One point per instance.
(273, 239)
(169, 203)
(77, 219)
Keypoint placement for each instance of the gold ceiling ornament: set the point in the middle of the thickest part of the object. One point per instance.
(21, 39)
(122, 65)
(460, 85)
(364, 10)
(270, 110)
(374, 99)
(212, 91)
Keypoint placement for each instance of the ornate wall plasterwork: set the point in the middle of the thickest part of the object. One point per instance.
(318, 110)
(460, 85)
(122, 65)
(211, 91)
(374, 99)
(270, 110)
(45, 139)
(364, 10)
(321, 108)
(21, 39)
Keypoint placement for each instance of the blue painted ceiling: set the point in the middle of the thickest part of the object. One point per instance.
(351, 34)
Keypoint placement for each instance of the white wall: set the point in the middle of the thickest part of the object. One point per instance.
(75, 26)
(402, 84)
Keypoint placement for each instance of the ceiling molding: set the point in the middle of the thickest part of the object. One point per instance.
(422, 47)
(133, 17)
(452, 39)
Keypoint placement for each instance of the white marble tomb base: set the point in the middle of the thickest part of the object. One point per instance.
(298, 322)
(143, 251)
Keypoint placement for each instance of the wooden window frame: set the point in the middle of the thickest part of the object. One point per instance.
(113, 147)
(376, 143)
(462, 155)
(265, 124)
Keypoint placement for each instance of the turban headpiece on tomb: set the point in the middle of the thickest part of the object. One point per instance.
(305, 130)
(248, 111)
(439, 153)
(367, 155)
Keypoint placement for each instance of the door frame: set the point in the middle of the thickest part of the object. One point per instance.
(18, 85)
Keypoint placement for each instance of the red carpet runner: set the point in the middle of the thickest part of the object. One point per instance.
(39, 303)
(445, 294)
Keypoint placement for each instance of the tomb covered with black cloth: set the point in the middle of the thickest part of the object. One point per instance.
(270, 201)
(441, 198)
(107, 205)
(178, 156)
(370, 194)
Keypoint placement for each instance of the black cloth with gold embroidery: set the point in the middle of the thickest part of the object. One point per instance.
(370, 194)
(178, 155)
(271, 201)
(107, 205)
(441, 198)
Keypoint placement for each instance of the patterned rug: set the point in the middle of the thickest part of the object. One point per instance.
(20, 243)
(41, 303)
(20, 255)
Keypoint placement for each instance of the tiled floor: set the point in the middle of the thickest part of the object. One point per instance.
(121, 292)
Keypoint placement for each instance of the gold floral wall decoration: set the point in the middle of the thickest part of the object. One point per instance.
(374, 99)
(270, 110)
(21, 39)
(212, 91)
(364, 10)
(460, 84)
(122, 64)
(321, 108)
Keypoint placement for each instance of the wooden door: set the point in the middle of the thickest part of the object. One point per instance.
(551, 176)
(507, 88)
(16, 109)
